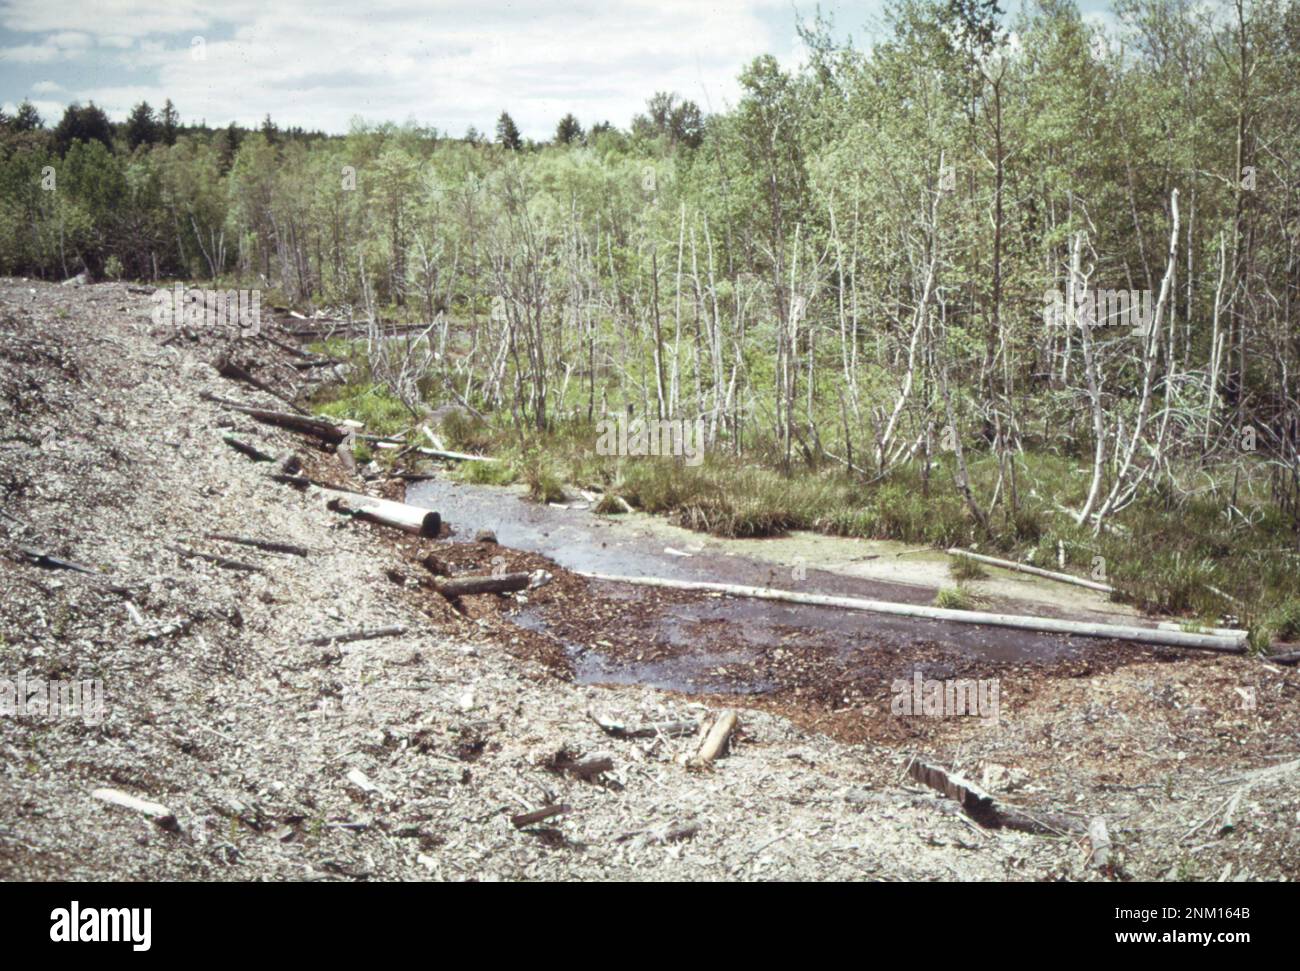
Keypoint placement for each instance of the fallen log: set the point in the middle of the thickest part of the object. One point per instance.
(380, 440)
(717, 738)
(468, 586)
(537, 815)
(38, 558)
(1034, 570)
(1043, 625)
(1291, 657)
(305, 360)
(1224, 594)
(364, 634)
(324, 430)
(254, 453)
(434, 440)
(43, 559)
(399, 515)
(262, 544)
(230, 370)
(984, 809)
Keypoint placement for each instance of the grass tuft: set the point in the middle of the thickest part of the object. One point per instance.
(956, 598)
(962, 568)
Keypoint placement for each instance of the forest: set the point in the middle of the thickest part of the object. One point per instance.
(1014, 282)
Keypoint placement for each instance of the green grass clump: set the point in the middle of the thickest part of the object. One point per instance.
(956, 598)
(609, 505)
(1278, 623)
(371, 404)
(1284, 620)
(962, 568)
(465, 432)
(499, 473)
(540, 473)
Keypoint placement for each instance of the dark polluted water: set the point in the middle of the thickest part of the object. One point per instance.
(579, 540)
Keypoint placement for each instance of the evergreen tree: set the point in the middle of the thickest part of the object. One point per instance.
(88, 124)
(27, 118)
(508, 133)
(227, 142)
(141, 126)
(568, 131)
(170, 122)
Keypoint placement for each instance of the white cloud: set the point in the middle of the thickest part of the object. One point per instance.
(46, 87)
(38, 54)
(51, 111)
(449, 63)
(70, 39)
(62, 46)
(136, 18)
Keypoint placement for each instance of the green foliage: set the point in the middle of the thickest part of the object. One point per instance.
(371, 404)
(1279, 623)
(568, 131)
(141, 126)
(487, 473)
(956, 598)
(26, 118)
(963, 568)
(508, 133)
(85, 124)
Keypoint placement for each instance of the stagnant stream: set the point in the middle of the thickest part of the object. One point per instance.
(578, 539)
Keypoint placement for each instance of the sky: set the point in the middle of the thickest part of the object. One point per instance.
(448, 64)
